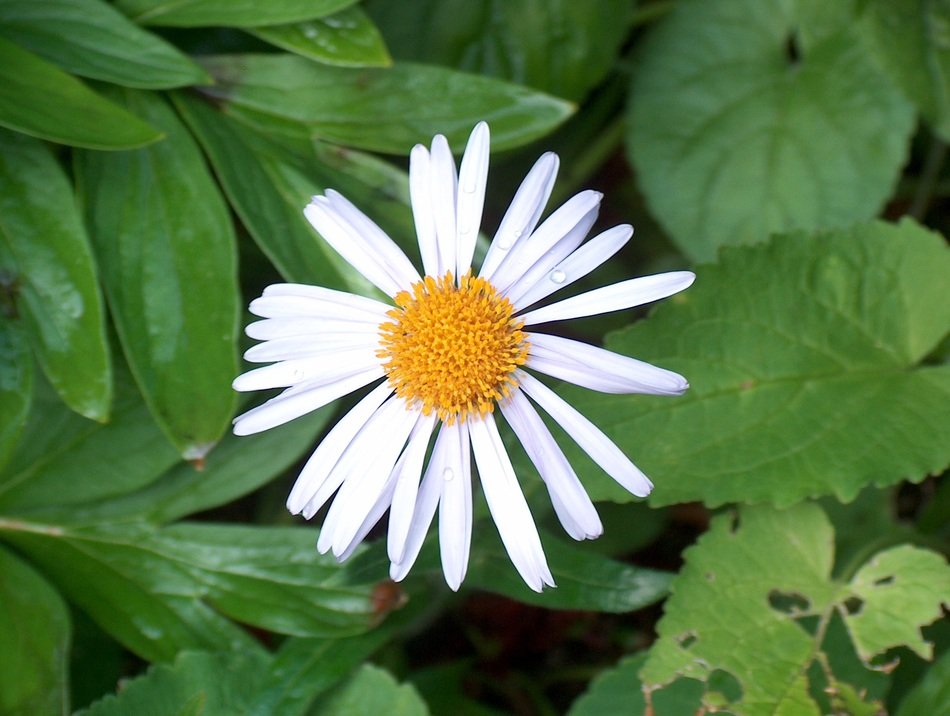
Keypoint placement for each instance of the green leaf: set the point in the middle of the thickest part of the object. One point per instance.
(38, 98)
(197, 683)
(802, 357)
(347, 38)
(754, 601)
(749, 117)
(90, 38)
(16, 385)
(228, 13)
(387, 110)
(371, 691)
(34, 642)
(932, 695)
(166, 249)
(557, 46)
(909, 38)
(48, 257)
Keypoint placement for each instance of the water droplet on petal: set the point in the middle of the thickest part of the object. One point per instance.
(299, 375)
(558, 276)
(448, 474)
(469, 187)
(503, 243)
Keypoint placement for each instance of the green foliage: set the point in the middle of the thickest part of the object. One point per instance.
(228, 13)
(372, 691)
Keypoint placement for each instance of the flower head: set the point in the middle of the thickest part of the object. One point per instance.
(452, 347)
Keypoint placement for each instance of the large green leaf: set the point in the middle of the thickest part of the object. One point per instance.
(229, 13)
(34, 642)
(558, 46)
(166, 250)
(752, 584)
(347, 38)
(385, 110)
(752, 116)
(40, 99)
(932, 695)
(803, 358)
(92, 39)
(16, 385)
(46, 254)
(909, 37)
(371, 691)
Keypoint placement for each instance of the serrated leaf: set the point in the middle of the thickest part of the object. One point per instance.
(742, 605)
(749, 117)
(16, 385)
(371, 691)
(166, 249)
(802, 356)
(34, 642)
(197, 683)
(39, 99)
(90, 38)
(46, 258)
(386, 110)
(347, 39)
(931, 696)
(227, 13)
(557, 46)
(909, 37)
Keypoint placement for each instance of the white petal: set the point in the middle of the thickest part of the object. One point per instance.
(523, 212)
(379, 507)
(507, 504)
(473, 177)
(455, 506)
(616, 297)
(329, 295)
(421, 198)
(378, 243)
(580, 263)
(574, 218)
(330, 449)
(315, 309)
(408, 471)
(300, 400)
(570, 500)
(588, 436)
(600, 369)
(356, 252)
(323, 368)
(273, 328)
(443, 183)
(293, 347)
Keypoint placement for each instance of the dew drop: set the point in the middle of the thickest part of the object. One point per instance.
(299, 375)
(503, 243)
(448, 474)
(469, 187)
(558, 276)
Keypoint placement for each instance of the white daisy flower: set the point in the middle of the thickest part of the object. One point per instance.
(451, 347)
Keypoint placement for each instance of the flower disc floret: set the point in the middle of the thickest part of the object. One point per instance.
(452, 349)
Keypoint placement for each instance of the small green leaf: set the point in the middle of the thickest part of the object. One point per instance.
(34, 642)
(167, 253)
(803, 358)
(347, 38)
(932, 695)
(227, 13)
(46, 257)
(90, 38)
(910, 40)
(40, 99)
(751, 116)
(369, 692)
(16, 385)
(197, 683)
(387, 110)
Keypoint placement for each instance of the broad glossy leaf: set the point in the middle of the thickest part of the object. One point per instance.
(803, 357)
(197, 683)
(387, 110)
(92, 39)
(752, 116)
(347, 38)
(16, 385)
(166, 250)
(228, 13)
(46, 257)
(909, 37)
(40, 99)
(738, 604)
(558, 46)
(932, 695)
(34, 642)
(371, 691)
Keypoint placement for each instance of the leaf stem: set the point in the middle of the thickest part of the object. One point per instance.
(924, 193)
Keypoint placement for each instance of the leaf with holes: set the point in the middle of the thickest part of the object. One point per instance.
(752, 116)
(754, 602)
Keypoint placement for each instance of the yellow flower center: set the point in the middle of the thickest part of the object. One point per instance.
(452, 349)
